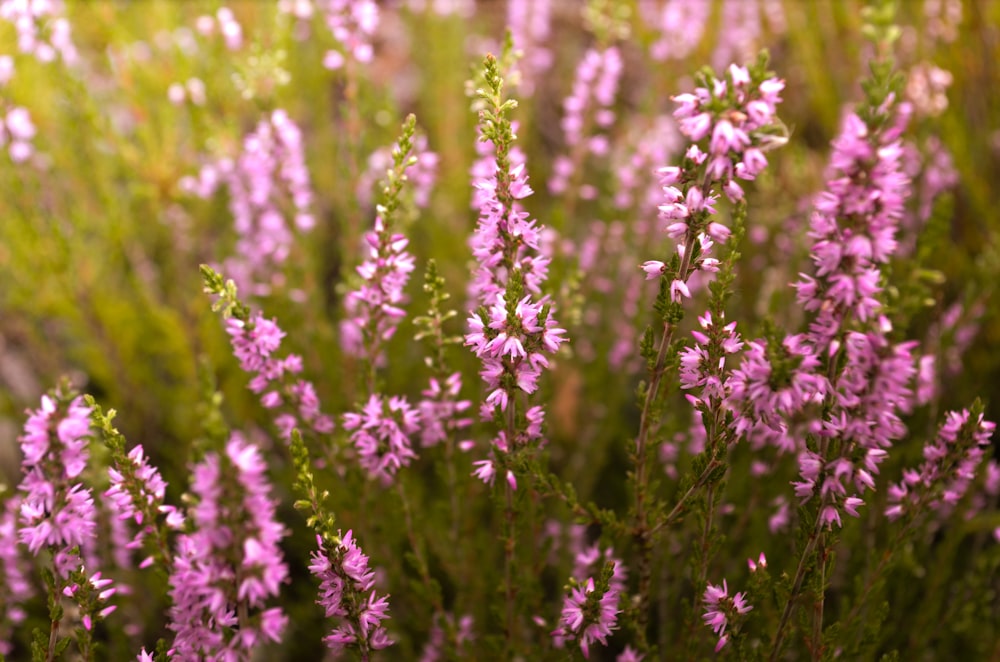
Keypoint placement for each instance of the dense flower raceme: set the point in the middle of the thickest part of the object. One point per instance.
(137, 492)
(374, 310)
(589, 613)
(949, 467)
(737, 115)
(853, 226)
(702, 367)
(57, 512)
(382, 435)
(231, 562)
(267, 181)
(511, 332)
(345, 582)
(721, 610)
(42, 29)
(441, 410)
(530, 25)
(255, 341)
(589, 105)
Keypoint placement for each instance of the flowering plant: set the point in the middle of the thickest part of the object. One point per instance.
(613, 356)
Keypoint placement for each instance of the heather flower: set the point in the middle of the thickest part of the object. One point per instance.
(230, 562)
(512, 333)
(530, 25)
(736, 116)
(42, 29)
(227, 26)
(353, 24)
(441, 412)
(589, 614)
(136, 495)
(951, 460)
(721, 610)
(16, 133)
(255, 340)
(374, 309)
(266, 179)
(345, 582)
(382, 434)
(589, 106)
(56, 511)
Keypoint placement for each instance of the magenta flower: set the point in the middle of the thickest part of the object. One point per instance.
(231, 562)
(721, 610)
(950, 464)
(267, 182)
(382, 434)
(345, 579)
(255, 341)
(56, 511)
(588, 616)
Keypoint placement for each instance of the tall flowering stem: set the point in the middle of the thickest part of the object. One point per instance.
(374, 308)
(255, 342)
(951, 461)
(342, 569)
(137, 492)
(863, 380)
(58, 515)
(383, 429)
(229, 564)
(735, 114)
(442, 413)
(512, 333)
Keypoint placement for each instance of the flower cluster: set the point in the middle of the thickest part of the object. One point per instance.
(511, 333)
(374, 309)
(268, 177)
(441, 412)
(950, 464)
(530, 25)
(345, 581)
(854, 228)
(737, 115)
(231, 562)
(381, 435)
(591, 101)
(590, 609)
(57, 511)
(352, 24)
(254, 342)
(721, 610)
(42, 29)
(506, 238)
(702, 367)
(137, 493)
(774, 383)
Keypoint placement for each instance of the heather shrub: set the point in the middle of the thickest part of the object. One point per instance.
(454, 329)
